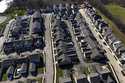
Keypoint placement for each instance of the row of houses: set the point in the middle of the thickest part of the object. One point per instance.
(28, 44)
(106, 32)
(65, 11)
(20, 27)
(87, 42)
(66, 52)
(20, 39)
(100, 76)
(21, 67)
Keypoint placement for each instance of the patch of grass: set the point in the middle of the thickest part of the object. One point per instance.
(13, 11)
(40, 70)
(39, 80)
(34, 80)
(116, 10)
(4, 78)
(59, 73)
(86, 70)
(114, 28)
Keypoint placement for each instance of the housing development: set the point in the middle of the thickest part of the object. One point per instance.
(62, 43)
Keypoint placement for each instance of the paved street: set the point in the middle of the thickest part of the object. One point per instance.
(48, 50)
(109, 53)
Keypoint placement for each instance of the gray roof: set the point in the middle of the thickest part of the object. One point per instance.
(59, 36)
(67, 44)
(91, 42)
(72, 55)
(118, 45)
(112, 38)
(107, 33)
(122, 49)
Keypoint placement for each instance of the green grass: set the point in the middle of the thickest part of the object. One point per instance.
(13, 11)
(40, 70)
(39, 80)
(86, 71)
(114, 28)
(4, 78)
(116, 10)
(59, 74)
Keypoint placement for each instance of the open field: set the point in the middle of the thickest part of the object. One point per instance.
(117, 11)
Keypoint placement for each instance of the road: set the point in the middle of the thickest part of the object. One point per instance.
(48, 50)
(109, 53)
